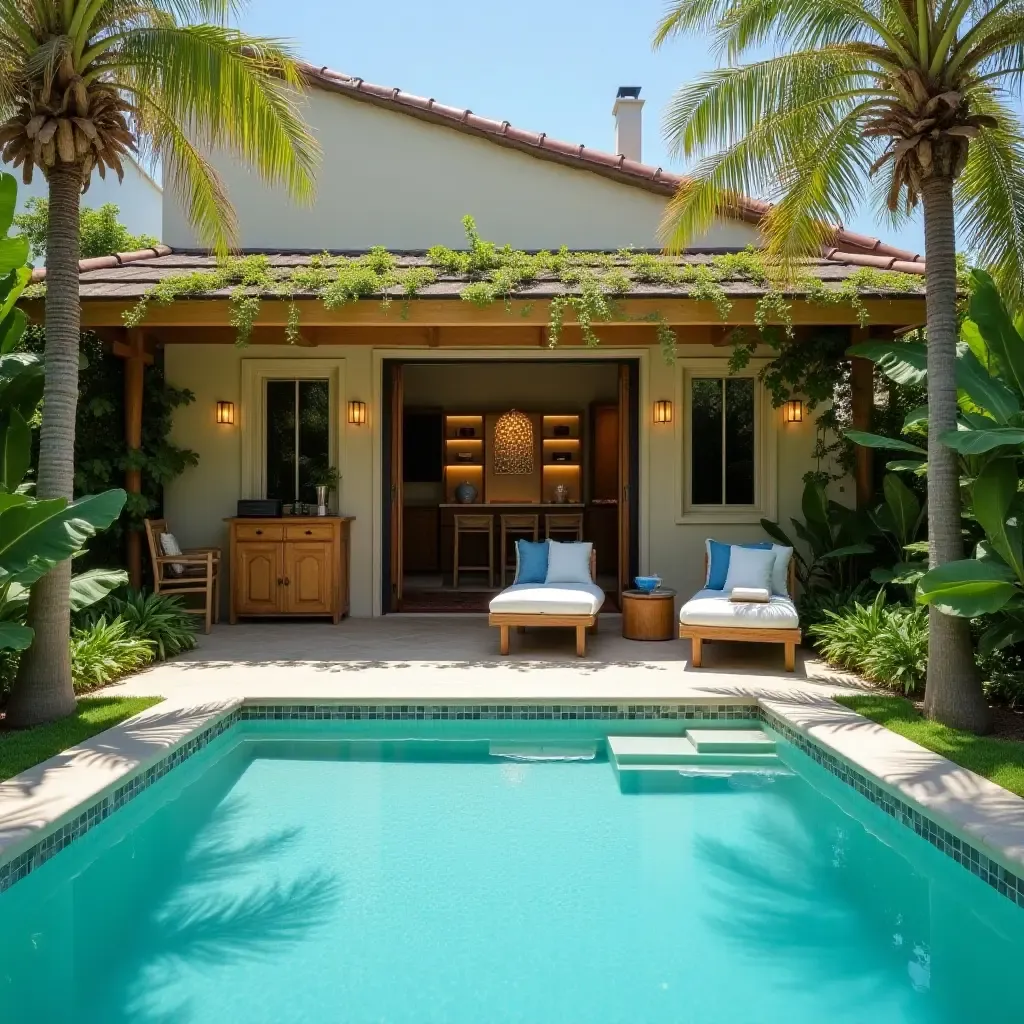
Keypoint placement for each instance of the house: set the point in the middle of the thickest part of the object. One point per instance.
(413, 403)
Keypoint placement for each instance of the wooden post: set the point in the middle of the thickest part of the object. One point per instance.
(135, 359)
(862, 400)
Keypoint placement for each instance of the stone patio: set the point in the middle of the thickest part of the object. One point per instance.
(441, 657)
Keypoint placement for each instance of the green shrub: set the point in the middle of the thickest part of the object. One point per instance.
(159, 618)
(105, 651)
(887, 644)
(813, 604)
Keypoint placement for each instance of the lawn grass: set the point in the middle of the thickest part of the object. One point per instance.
(24, 748)
(1002, 761)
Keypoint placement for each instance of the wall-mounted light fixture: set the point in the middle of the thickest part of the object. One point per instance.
(226, 412)
(793, 411)
(357, 413)
(662, 411)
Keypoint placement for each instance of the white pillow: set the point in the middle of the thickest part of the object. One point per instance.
(170, 546)
(780, 572)
(750, 568)
(569, 562)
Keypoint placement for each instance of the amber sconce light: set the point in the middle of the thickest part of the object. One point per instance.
(662, 412)
(793, 411)
(226, 413)
(357, 413)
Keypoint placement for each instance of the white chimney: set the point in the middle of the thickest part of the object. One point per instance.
(629, 122)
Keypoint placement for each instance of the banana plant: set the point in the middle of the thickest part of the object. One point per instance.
(899, 520)
(990, 440)
(832, 534)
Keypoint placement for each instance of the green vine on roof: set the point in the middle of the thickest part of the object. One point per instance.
(595, 283)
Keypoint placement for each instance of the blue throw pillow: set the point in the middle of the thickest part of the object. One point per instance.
(718, 562)
(531, 561)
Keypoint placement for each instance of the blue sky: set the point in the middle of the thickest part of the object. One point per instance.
(548, 65)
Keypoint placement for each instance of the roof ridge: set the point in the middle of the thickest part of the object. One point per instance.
(541, 145)
(105, 262)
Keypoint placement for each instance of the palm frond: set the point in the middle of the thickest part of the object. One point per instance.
(233, 91)
(990, 198)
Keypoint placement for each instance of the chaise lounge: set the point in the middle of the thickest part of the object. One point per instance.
(712, 614)
(563, 603)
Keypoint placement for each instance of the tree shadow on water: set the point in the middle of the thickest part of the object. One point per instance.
(829, 906)
(214, 904)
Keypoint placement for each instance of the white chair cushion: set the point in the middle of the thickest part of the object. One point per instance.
(713, 608)
(750, 568)
(170, 547)
(549, 599)
(569, 562)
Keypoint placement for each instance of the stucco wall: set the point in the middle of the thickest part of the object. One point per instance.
(197, 502)
(138, 198)
(389, 179)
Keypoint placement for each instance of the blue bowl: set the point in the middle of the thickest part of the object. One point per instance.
(647, 583)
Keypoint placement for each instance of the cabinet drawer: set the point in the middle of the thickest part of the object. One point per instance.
(252, 531)
(313, 531)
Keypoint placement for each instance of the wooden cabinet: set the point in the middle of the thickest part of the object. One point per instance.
(289, 566)
(421, 534)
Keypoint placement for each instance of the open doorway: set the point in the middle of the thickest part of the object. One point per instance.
(477, 452)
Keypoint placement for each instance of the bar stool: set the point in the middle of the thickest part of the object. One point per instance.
(519, 524)
(564, 523)
(466, 526)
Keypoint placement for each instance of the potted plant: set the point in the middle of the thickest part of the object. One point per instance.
(325, 479)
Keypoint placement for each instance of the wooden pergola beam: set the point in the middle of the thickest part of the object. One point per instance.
(897, 311)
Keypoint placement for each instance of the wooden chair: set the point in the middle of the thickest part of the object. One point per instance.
(567, 524)
(200, 572)
(788, 637)
(466, 526)
(527, 525)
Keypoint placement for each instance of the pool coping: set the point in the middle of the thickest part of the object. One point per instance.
(973, 821)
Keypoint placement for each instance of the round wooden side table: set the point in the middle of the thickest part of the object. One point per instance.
(649, 616)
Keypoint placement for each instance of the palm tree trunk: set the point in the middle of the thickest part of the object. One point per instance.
(43, 690)
(953, 693)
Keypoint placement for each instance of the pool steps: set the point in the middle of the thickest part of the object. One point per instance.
(694, 752)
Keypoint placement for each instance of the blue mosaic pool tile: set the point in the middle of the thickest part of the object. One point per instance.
(51, 844)
(1004, 881)
(501, 712)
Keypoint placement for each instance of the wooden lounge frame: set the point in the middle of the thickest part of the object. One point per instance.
(788, 637)
(581, 623)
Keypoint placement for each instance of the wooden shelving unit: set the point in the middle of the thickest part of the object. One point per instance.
(562, 456)
(464, 449)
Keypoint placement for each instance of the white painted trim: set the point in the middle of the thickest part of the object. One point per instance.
(434, 355)
(253, 411)
(766, 479)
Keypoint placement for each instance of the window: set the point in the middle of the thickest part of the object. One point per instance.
(297, 428)
(722, 430)
(727, 437)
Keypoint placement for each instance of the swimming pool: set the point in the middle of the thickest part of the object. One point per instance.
(499, 871)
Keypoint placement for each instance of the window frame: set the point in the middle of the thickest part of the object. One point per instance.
(255, 374)
(765, 502)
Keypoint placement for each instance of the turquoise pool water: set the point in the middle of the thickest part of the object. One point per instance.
(286, 874)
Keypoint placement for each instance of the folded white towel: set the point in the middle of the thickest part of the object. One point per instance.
(754, 595)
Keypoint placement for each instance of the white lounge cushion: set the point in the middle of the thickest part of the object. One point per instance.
(713, 608)
(549, 599)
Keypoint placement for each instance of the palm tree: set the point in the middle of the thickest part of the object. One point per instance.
(917, 89)
(82, 84)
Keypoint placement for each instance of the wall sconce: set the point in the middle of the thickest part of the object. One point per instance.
(793, 411)
(357, 413)
(226, 412)
(662, 412)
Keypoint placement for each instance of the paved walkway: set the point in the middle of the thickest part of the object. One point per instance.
(439, 657)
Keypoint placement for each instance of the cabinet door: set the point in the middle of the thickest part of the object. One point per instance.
(256, 578)
(309, 578)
